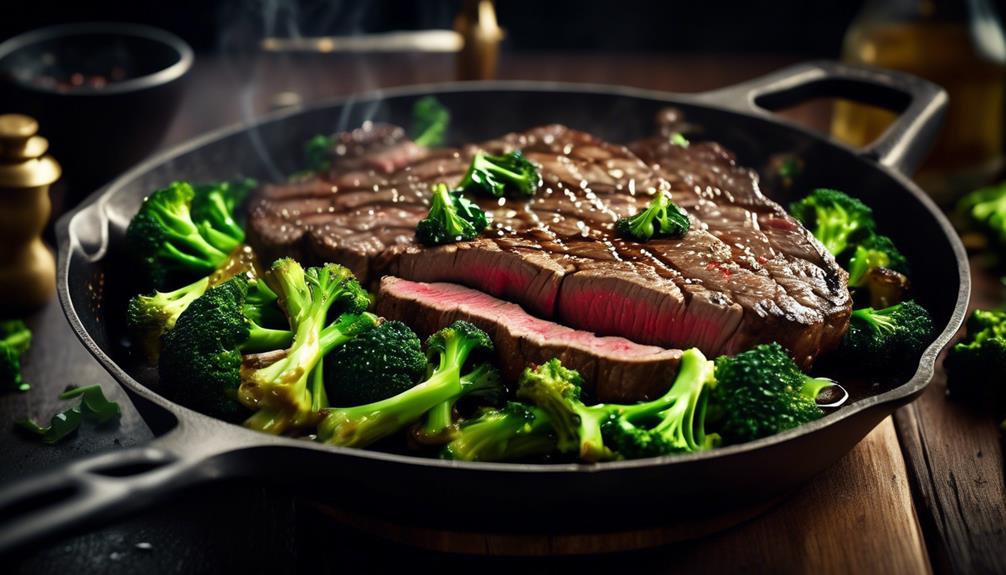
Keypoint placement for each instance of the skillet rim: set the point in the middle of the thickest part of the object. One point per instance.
(903, 393)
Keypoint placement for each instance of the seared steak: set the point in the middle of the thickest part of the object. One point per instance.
(616, 369)
(746, 273)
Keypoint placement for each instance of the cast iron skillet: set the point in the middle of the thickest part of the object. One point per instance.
(191, 448)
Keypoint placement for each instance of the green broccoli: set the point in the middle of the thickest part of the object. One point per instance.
(976, 363)
(364, 424)
(15, 339)
(887, 340)
(515, 431)
(201, 362)
(376, 365)
(837, 220)
(761, 392)
(985, 210)
(482, 385)
(875, 251)
(556, 390)
(319, 153)
(662, 218)
(682, 414)
(672, 423)
(429, 122)
(149, 317)
(288, 393)
(500, 175)
(169, 243)
(213, 210)
(452, 218)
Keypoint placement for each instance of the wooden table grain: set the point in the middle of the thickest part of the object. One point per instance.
(922, 493)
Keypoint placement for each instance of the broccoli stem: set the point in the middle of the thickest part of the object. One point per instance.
(266, 339)
(319, 399)
(362, 425)
(879, 320)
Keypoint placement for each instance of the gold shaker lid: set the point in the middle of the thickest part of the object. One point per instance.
(23, 163)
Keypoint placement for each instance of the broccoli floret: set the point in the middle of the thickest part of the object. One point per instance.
(452, 218)
(201, 362)
(289, 393)
(319, 153)
(762, 391)
(364, 424)
(213, 210)
(429, 122)
(985, 210)
(662, 218)
(501, 175)
(149, 317)
(515, 431)
(556, 390)
(671, 423)
(482, 386)
(837, 220)
(886, 340)
(682, 413)
(15, 339)
(875, 251)
(168, 242)
(975, 364)
(378, 364)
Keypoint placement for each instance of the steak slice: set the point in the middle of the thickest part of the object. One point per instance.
(614, 368)
(746, 273)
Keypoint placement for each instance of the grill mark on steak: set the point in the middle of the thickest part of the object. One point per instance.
(745, 273)
(614, 369)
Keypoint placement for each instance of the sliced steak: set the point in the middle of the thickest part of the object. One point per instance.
(746, 273)
(616, 369)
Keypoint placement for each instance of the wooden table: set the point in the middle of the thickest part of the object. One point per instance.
(923, 492)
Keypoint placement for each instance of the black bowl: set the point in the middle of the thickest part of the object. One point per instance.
(103, 93)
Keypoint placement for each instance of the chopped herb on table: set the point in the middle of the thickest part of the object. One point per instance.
(15, 339)
(93, 407)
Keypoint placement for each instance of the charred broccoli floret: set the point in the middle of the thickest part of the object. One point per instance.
(661, 219)
(506, 174)
(289, 393)
(378, 364)
(515, 431)
(362, 425)
(452, 218)
(976, 363)
(837, 220)
(886, 340)
(15, 339)
(761, 392)
(875, 251)
(201, 362)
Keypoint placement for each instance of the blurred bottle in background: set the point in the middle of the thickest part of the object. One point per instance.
(960, 45)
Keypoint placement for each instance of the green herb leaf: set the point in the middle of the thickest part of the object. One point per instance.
(61, 425)
(93, 405)
(679, 139)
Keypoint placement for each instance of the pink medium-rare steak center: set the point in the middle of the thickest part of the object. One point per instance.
(745, 273)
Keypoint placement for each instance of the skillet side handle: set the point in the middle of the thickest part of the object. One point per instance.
(88, 492)
(920, 104)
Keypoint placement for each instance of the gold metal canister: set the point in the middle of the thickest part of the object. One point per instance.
(27, 267)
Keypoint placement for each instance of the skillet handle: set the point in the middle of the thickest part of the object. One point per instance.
(903, 146)
(91, 491)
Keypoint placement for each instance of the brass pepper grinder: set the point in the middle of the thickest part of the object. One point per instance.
(27, 268)
(482, 35)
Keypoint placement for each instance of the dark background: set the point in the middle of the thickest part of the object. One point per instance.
(780, 26)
